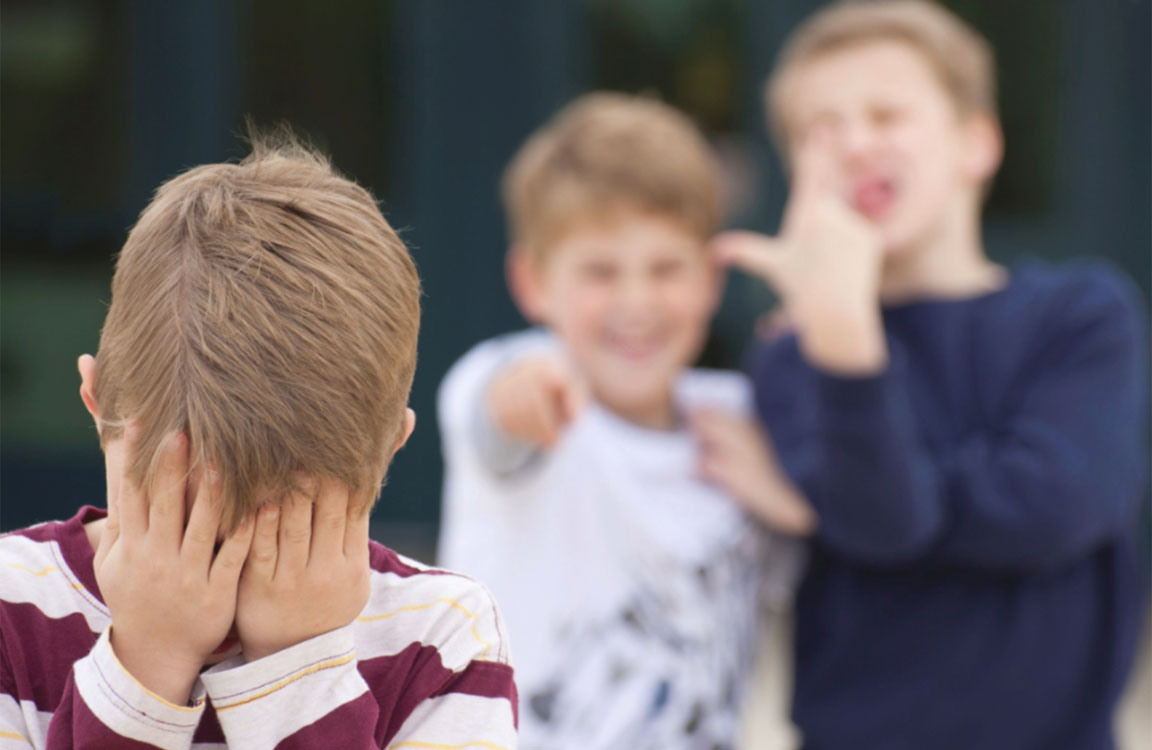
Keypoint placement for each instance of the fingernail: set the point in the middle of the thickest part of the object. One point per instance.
(271, 512)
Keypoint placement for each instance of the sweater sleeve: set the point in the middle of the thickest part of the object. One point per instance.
(308, 695)
(1058, 473)
(104, 707)
(322, 693)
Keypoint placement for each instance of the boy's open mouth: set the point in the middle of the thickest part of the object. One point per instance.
(630, 346)
(873, 196)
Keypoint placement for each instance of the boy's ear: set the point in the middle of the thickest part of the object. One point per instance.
(985, 147)
(409, 425)
(719, 284)
(523, 275)
(86, 364)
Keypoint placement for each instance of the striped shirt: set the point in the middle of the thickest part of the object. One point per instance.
(424, 666)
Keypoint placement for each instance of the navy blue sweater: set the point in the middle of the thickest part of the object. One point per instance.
(976, 581)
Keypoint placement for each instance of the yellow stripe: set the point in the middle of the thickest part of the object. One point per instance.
(441, 600)
(37, 573)
(431, 746)
(414, 607)
(289, 681)
(13, 736)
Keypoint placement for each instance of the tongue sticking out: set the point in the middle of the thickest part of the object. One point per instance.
(873, 197)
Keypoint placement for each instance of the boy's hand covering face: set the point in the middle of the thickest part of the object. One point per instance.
(307, 572)
(534, 400)
(171, 599)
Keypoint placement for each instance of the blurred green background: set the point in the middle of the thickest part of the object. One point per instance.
(423, 101)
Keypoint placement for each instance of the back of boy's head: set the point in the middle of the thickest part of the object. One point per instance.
(959, 56)
(605, 155)
(268, 311)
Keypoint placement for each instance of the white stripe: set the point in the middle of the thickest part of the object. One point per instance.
(24, 719)
(34, 572)
(451, 613)
(261, 703)
(470, 722)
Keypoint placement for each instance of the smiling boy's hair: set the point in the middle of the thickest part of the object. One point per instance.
(268, 311)
(605, 153)
(958, 55)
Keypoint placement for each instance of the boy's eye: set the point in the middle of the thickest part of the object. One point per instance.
(824, 122)
(885, 115)
(598, 271)
(667, 269)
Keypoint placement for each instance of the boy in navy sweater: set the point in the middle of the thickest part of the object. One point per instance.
(971, 437)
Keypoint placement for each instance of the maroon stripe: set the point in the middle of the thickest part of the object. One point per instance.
(74, 725)
(384, 560)
(40, 651)
(352, 726)
(77, 550)
(74, 544)
(400, 682)
(209, 729)
(486, 679)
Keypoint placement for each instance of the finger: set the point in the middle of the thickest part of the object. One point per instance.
(295, 537)
(356, 529)
(570, 399)
(752, 253)
(132, 503)
(230, 560)
(203, 523)
(712, 468)
(166, 495)
(329, 517)
(775, 324)
(261, 560)
(813, 179)
(708, 425)
(545, 417)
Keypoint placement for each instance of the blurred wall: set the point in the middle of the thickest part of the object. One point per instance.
(423, 101)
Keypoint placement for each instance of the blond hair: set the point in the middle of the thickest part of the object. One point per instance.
(267, 310)
(959, 56)
(605, 153)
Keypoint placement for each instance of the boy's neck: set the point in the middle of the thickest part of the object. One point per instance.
(951, 264)
(656, 414)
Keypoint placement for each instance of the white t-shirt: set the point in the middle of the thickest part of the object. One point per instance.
(632, 589)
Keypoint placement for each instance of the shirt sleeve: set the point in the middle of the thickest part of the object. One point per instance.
(465, 423)
(104, 707)
(1056, 475)
(315, 694)
(306, 696)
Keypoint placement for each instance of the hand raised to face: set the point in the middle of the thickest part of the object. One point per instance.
(172, 597)
(307, 572)
(826, 253)
(825, 264)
